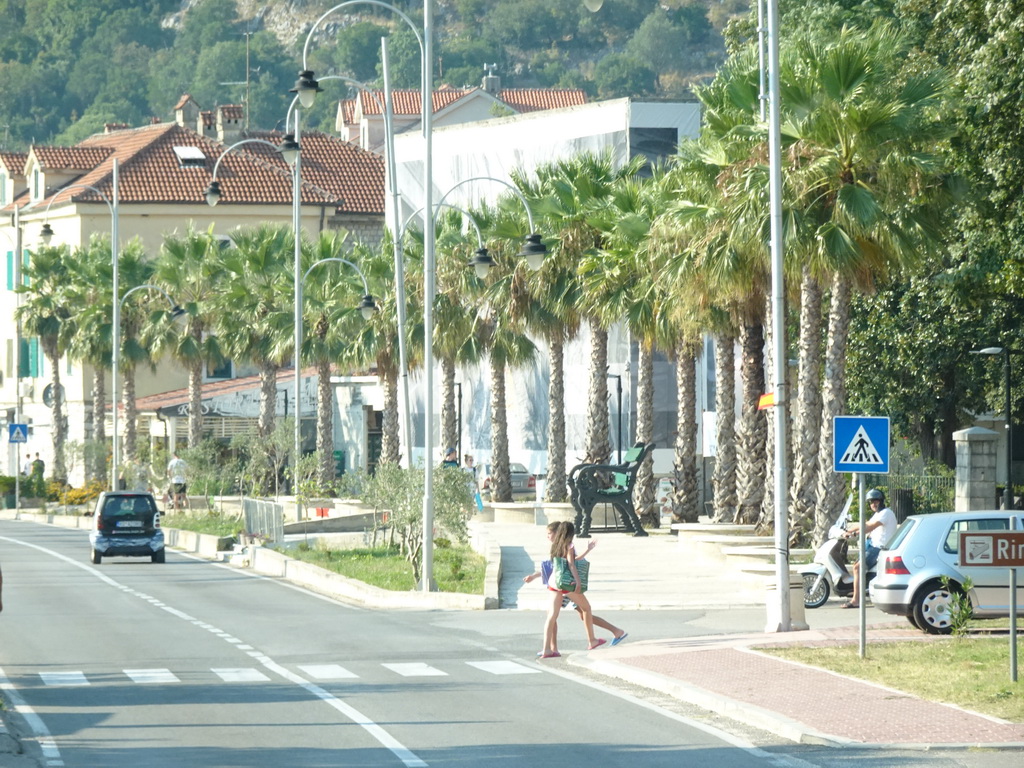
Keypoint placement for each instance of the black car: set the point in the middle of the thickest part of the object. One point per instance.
(126, 524)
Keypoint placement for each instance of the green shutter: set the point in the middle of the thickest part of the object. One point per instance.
(10, 270)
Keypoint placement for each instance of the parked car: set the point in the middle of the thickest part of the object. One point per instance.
(126, 524)
(926, 548)
(524, 482)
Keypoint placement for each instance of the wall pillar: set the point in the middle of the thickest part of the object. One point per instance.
(975, 469)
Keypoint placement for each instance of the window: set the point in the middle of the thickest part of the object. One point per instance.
(36, 177)
(223, 371)
(190, 157)
(992, 524)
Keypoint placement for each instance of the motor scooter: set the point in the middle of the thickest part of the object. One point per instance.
(828, 572)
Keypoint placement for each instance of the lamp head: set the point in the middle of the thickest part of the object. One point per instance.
(213, 193)
(367, 307)
(593, 5)
(482, 263)
(533, 251)
(177, 312)
(991, 351)
(306, 87)
(46, 233)
(290, 149)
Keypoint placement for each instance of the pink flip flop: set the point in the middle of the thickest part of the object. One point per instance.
(554, 655)
(598, 644)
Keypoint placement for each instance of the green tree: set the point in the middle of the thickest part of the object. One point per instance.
(618, 75)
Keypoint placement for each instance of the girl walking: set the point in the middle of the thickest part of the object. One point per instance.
(561, 536)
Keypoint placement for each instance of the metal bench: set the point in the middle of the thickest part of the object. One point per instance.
(593, 484)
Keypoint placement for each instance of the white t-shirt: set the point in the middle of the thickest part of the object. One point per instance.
(880, 536)
(176, 469)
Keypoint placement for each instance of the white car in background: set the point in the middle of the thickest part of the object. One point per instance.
(926, 548)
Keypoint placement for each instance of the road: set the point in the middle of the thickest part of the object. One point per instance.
(193, 663)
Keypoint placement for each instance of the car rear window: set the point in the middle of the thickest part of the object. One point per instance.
(129, 507)
(952, 544)
(901, 533)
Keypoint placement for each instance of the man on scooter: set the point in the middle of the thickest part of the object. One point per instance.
(879, 529)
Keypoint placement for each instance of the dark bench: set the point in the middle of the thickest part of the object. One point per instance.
(593, 484)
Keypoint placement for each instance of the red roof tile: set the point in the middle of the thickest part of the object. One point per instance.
(408, 102)
(69, 158)
(14, 161)
(534, 99)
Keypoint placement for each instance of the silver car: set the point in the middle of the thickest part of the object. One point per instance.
(524, 482)
(926, 548)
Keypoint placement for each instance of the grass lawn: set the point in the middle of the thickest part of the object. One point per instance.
(212, 523)
(456, 568)
(971, 672)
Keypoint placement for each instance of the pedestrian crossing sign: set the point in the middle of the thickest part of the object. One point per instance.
(17, 433)
(861, 444)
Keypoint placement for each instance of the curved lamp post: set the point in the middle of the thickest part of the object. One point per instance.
(47, 235)
(176, 312)
(307, 88)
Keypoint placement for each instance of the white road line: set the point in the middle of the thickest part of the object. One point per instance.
(35, 723)
(152, 676)
(327, 671)
(503, 667)
(415, 669)
(63, 678)
(241, 675)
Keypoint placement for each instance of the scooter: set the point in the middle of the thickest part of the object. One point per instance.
(828, 572)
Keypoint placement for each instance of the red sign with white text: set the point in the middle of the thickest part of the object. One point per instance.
(1001, 549)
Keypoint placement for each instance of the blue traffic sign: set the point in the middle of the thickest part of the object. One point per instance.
(17, 433)
(861, 444)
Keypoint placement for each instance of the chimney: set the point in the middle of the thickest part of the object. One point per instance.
(491, 83)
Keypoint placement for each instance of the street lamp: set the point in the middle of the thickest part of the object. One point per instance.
(1005, 352)
(306, 84)
(47, 235)
(176, 312)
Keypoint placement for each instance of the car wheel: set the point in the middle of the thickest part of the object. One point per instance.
(815, 598)
(96, 557)
(933, 609)
(912, 619)
(159, 557)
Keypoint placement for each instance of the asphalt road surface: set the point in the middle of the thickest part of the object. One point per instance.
(193, 663)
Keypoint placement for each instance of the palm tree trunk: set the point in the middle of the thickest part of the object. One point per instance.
(751, 468)
(685, 496)
(723, 481)
(98, 465)
(390, 448)
(268, 400)
(802, 489)
(195, 393)
(59, 436)
(555, 489)
(765, 524)
(449, 423)
(833, 403)
(644, 489)
(598, 448)
(130, 416)
(501, 488)
(324, 423)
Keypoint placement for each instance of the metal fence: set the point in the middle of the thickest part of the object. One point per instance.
(915, 494)
(265, 518)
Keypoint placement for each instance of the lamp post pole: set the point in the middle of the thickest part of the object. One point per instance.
(16, 243)
(618, 415)
(1008, 491)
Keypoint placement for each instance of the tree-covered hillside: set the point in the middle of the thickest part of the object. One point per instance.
(68, 67)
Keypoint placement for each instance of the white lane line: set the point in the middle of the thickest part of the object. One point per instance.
(327, 671)
(407, 756)
(35, 723)
(415, 669)
(63, 678)
(151, 676)
(241, 675)
(503, 667)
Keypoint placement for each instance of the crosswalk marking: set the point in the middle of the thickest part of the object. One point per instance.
(318, 672)
(415, 669)
(327, 671)
(63, 678)
(144, 676)
(503, 667)
(240, 675)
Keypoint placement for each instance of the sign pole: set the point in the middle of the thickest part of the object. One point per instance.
(1013, 625)
(862, 572)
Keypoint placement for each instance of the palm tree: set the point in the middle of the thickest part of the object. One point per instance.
(190, 269)
(135, 270)
(254, 315)
(330, 308)
(90, 336)
(43, 313)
